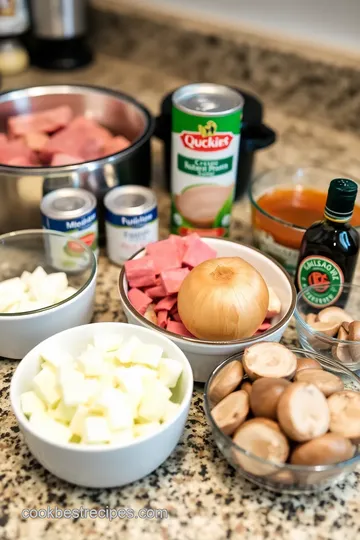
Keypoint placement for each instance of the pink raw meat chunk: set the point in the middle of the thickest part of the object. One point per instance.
(116, 144)
(178, 241)
(64, 159)
(190, 238)
(45, 121)
(178, 328)
(15, 149)
(3, 139)
(20, 162)
(198, 252)
(140, 272)
(162, 318)
(139, 300)
(82, 137)
(166, 303)
(165, 255)
(35, 140)
(156, 292)
(172, 279)
(176, 317)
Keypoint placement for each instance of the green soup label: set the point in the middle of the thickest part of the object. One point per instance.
(323, 273)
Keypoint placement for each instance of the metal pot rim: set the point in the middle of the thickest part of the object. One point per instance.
(62, 88)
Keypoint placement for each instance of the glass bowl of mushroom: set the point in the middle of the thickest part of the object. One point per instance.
(286, 419)
(334, 330)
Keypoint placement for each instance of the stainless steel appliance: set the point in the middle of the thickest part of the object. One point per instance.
(59, 28)
(21, 188)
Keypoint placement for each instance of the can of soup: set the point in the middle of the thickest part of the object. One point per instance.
(131, 221)
(206, 126)
(71, 211)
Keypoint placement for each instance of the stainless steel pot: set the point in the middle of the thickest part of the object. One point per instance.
(21, 188)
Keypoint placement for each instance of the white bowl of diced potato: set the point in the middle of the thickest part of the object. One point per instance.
(44, 288)
(102, 405)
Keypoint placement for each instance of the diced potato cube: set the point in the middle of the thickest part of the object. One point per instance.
(154, 401)
(143, 430)
(130, 381)
(31, 403)
(169, 371)
(91, 362)
(78, 420)
(125, 351)
(63, 413)
(74, 390)
(148, 355)
(108, 342)
(56, 357)
(49, 428)
(46, 386)
(117, 407)
(96, 430)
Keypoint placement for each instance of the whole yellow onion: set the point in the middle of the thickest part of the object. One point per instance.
(223, 299)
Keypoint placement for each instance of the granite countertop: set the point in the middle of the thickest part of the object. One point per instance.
(202, 493)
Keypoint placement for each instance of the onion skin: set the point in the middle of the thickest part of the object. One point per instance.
(223, 299)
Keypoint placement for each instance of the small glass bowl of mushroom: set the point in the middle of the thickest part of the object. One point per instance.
(333, 331)
(286, 419)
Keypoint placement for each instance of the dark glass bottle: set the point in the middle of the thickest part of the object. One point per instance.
(329, 249)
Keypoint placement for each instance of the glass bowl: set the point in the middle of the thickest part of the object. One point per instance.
(55, 252)
(284, 478)
(272, 235)
(343, 351)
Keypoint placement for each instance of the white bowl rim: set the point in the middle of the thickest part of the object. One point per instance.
(49, 232)
(250, 340)
(277, 466)
(24, 422)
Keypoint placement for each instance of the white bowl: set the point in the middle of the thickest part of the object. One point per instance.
(204, 356)
(25, 250)
(101, 466)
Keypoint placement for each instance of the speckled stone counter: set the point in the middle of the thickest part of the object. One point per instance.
(205, 498)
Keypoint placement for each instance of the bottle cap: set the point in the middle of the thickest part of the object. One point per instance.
(341, 199)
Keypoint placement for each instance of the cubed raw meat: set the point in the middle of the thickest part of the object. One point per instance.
(162, 318)
(82, 137)
(140, 272)
(20, 162)
(15, 149)
(3, 139)
(166, 303)
(156, 292)
(35, 140)
(139, 300)
(178, 328)
(116, 144)
(189, 239)
(179, 243)
(172, 279)
(64, 159)
(198, 252)
(45, 121)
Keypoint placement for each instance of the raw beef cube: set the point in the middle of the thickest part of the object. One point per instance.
(45, 121)
(172, 279)
(20, 162)
(35, 140)
(176, 317)
(162, 318)
(156, 292)
(139, 300)
(116, 144)
(65, 159)
(178, 328)
(179, 243)
(15, 149)
(3, 139)
(188, 240)
(264, 326)
(140, 272)
(82, 137)
(166, 303)
(159, 247)
(166, 260)
(198, 252)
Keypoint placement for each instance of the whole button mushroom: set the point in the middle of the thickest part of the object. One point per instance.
(325, 450)
(267, 359)
(345, 414)
(231, 411)
(307, 363)
(303, 412)
(327, 382)
(265, 395)
(354, 335)
(226, 381)
(334, 314)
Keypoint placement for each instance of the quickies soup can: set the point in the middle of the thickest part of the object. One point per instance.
(206, 127)
(71, 211)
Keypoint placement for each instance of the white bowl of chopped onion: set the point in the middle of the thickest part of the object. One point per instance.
(104, 404)
(44, 288)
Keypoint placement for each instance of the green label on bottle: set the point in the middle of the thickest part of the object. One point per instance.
(325, 276)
